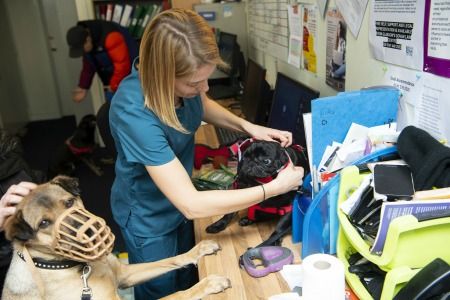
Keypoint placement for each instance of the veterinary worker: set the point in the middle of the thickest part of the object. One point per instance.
(154, 115)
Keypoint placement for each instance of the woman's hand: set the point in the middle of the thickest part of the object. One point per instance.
(290, 178)
(13, 195)
(270, 134)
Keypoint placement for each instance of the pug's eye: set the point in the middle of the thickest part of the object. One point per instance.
(267, 161)
(44, 224)
(69, 203)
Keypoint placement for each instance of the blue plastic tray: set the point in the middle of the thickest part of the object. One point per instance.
(320, 223)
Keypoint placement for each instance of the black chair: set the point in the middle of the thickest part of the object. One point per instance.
(104, 129)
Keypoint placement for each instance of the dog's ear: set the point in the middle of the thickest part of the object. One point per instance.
(69, 184)
(16, 228)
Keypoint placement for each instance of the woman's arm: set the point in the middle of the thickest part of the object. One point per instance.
(215, 114)
(175, 183)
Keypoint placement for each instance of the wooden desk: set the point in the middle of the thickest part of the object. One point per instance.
(234, 241)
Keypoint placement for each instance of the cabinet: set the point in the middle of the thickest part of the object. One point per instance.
(133, 15)
(228, 17)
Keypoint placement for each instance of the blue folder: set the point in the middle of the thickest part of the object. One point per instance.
(333, 116)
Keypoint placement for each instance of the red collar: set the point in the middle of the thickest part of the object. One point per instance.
(78, 150)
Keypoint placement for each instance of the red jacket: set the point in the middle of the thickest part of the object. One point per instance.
(112, 55)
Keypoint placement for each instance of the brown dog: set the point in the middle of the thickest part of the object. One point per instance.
(55, 276)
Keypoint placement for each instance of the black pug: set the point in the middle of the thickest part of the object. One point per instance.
(78, 147)
(260, 162)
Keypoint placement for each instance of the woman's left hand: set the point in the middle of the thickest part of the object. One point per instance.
(270, 134)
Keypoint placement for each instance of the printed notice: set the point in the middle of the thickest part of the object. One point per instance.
(396, 32)
(309, 57)
(437, 42)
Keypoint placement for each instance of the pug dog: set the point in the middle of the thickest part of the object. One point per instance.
(260, 162)
(61, 251)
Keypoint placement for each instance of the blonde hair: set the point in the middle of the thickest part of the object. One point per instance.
(175, 44)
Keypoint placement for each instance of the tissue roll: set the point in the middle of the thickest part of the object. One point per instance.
(324, 278)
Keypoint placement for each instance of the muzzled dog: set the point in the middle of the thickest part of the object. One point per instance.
(78, 147)
(64, 252)
(260, 162)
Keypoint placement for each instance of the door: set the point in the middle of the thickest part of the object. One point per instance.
(58, 17)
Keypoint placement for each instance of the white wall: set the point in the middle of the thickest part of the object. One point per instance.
(362, 69)
(33, 59)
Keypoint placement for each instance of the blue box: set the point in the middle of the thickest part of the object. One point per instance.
(320, 223)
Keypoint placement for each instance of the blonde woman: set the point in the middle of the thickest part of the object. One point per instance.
(154, 115)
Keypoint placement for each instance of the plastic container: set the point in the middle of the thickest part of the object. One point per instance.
(320, 225)
(394, 281)
(408, 242)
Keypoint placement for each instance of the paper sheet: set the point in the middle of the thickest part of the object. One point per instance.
(353, 13)
(396, 32)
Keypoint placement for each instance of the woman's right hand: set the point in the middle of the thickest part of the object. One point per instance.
(290, 178)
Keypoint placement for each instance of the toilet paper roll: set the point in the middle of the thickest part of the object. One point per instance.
(323, 278)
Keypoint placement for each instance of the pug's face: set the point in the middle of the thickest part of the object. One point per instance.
(261, 159)
(34, 219)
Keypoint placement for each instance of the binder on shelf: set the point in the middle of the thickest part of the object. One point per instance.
(137, 12)
(126, 16)
(102, 11)
(332, 116)
(109, 11)
(117, 13)
(138, 30)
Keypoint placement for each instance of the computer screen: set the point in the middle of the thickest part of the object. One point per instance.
(227, 47)
(291, 100)
(256, 94)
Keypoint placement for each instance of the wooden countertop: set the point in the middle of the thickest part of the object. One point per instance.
(234, 241)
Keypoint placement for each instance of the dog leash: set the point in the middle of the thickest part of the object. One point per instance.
(86, 293)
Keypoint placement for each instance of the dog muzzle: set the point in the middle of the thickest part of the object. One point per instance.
(81, 236)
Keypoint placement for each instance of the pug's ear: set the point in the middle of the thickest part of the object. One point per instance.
(69, 184)
(16, 228)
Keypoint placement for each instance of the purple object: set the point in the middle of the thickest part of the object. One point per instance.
(273, 259)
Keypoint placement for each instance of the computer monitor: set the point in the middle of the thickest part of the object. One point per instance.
(291, 100)
(256, 94)
(227, 49)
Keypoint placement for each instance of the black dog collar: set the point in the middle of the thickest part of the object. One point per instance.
(51, 264)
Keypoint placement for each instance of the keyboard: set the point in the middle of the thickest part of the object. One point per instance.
(227, 137)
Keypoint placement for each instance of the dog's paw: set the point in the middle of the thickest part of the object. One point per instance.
(207, 247)
(203, 248)
(215, 284)
(216, 227)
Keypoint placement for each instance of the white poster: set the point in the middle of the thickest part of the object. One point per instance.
(310, 18)
(424, 102)
(295, 35)
(396, 32)
(353, 13)
(322, 4)
(405, 80)
(336, 50)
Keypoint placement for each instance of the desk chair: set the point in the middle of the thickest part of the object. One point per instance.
(104, 129)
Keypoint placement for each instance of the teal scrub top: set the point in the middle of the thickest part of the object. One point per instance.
(141, 140)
